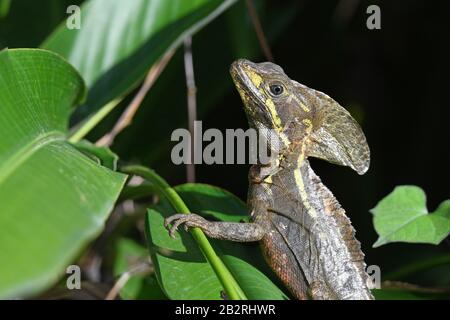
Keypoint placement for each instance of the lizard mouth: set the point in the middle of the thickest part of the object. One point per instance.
(239, 72)
(253, 99)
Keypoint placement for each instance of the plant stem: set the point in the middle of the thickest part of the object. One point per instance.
(94, 120)
(191, 104)
(230, 285)
(259, 30)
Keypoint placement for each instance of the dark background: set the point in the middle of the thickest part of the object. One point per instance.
(394, 81)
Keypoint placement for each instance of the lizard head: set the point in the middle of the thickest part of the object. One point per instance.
(299, 115)
(267, 94)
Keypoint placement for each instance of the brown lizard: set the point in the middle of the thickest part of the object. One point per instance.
(305, 235)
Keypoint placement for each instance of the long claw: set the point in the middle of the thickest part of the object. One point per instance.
(172, 232)
(169, 220)
(175, 226)
(173, 222)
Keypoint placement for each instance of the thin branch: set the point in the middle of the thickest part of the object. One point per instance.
(191, 104)
(141, 268)
(127, 116)
(259, 30)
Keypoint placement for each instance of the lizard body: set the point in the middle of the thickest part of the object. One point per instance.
(304, 233)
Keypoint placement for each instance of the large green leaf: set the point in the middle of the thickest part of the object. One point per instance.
(403, 216)
(119, 40)
(53, 199)
(181, 268)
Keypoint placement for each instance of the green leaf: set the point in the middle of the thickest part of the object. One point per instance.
(4, 8)
(180, 267)
(402, 216)
(53, 199)
(120, 40)
(102, 155)
(140, 286)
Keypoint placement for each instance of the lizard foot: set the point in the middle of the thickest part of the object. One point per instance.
(190, 221)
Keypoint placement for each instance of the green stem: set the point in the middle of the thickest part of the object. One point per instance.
(415, 267)
(94, 120)
(230, 285)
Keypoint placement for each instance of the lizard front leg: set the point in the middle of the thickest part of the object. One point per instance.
(233, 231)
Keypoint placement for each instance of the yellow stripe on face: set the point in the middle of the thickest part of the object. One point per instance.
(301, 104)
(273, 112)
(255, 78)
(277, 122)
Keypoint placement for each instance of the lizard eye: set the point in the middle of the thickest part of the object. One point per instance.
(276, 89)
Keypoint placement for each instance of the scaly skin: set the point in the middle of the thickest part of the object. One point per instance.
(305, 235)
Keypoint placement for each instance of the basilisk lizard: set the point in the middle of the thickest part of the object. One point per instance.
(305, 235)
